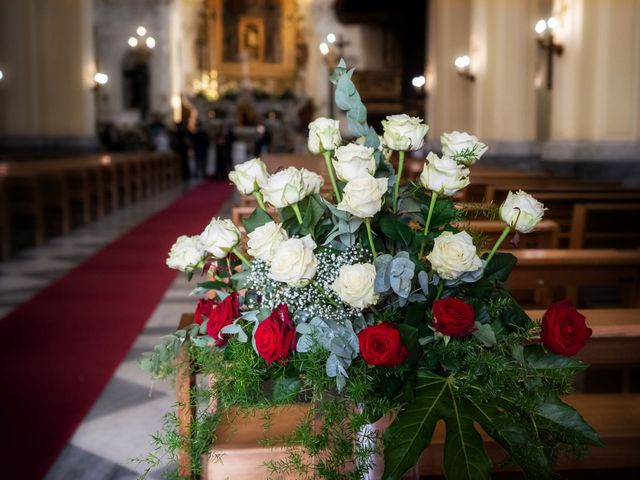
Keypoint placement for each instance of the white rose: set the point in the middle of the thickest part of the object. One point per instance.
(294, 262)
(249, 176)
(219, 237)
(462, 147)
(353, 161)
(265, 240)
(386, 152)
(443, 175)
(453, 255)
(284, 188)
(185, 254)
(362, 197)
(521, 211)
(324, 135)
(354, 285)
(402, 132)
(312, 182)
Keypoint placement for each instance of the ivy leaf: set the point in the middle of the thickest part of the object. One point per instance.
(443, 213)
(412, 430)
(312, 215)
(540, 359)
(409, 336)
(258, 218)
(485, 334)
(557, 413)
(500, 267)
(396, 230)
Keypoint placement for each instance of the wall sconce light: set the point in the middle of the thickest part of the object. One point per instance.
(463, 64)
(324, 48)
(419, 82)
(331, 38)
(101, 78)
(548, 44)
(1, 75)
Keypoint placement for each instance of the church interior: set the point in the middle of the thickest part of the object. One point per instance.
(120, 121)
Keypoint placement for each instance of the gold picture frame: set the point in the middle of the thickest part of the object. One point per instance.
(258, 69)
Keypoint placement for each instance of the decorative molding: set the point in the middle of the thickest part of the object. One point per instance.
(590, 151)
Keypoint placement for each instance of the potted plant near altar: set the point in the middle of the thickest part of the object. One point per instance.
(371, 304)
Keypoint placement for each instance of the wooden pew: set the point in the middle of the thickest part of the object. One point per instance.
(545, 235)
(48, 192)
(549, 274)
(497, 191)
(598, 225)
(561, 203)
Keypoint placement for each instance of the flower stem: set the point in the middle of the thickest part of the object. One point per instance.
(396, 187)
(296, 209)
(434, 197)
(327, 161)
(242, 258)
(503, 235)
(375, 311)
(439, 291)
(367, 222)
(258, 196)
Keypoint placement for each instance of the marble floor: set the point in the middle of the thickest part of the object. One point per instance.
(131, 406)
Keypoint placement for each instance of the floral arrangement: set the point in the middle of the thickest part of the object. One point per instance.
(368, 303)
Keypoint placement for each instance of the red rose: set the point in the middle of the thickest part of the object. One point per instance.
(564, 330)
(219, 315)
(205, 305)
(380, 345)
(275, 337)
(453, 317)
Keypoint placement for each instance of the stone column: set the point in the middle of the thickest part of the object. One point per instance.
(504, 57)
(46, 54)
(595, 110)
(448, 94)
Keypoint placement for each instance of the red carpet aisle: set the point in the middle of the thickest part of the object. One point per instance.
(61, 348)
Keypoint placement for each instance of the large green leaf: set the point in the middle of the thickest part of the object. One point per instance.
(443, 213)
(412, 430)
(396, 230)
(464, 454)
(560, 415)
(513, 437)
(258, 218)
(541, 359)
(312, 214)
(500, 266)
